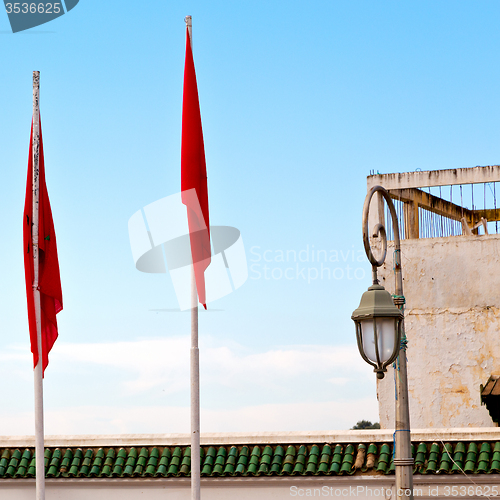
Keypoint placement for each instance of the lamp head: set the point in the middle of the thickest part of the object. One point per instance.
(378, 328)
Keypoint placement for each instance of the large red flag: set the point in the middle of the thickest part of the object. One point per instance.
(49, 279)
(194, 175)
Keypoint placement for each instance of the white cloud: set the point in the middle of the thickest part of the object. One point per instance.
(16, 352)
(143, 386)
(330, 415)
(157, 362)
(338, 380)
(165, 363)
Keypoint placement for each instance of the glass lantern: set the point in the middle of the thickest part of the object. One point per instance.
(378, 328)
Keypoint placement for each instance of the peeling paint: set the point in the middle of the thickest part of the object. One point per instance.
(452, 290)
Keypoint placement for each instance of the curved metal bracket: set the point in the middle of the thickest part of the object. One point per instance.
(379, 230)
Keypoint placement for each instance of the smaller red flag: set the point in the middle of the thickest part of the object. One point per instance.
(194, 175)
(48, 274)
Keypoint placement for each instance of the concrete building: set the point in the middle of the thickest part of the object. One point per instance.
(450, 255)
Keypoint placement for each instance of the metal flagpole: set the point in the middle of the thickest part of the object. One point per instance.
(195, 365)
(195, 394)
(39, 444)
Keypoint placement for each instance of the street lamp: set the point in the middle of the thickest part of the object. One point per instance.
(379, 321)
(378, 328)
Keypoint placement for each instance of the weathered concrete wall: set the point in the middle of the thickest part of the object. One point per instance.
(452, 290)
(378, 487)
(447, 177)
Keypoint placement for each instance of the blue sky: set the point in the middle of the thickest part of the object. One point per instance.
(299, 101)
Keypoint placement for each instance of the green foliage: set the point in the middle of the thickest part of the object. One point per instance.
(366, 424)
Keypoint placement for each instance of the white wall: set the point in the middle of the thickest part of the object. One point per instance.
(212, 489)
(352, 487)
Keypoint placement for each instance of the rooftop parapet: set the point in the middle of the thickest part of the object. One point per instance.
(442, 203)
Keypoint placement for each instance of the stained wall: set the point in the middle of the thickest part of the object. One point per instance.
(452, 291)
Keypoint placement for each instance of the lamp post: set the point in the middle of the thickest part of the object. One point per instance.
(380, 335)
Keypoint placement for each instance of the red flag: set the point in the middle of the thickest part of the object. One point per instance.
(194, 175)
(49, 279)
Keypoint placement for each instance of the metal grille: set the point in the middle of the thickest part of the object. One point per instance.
(469, 201)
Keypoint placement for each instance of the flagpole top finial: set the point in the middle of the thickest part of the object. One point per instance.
(189, 21)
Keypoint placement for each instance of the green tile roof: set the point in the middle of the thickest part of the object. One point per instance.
(265, 460)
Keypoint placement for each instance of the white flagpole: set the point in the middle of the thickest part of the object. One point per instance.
(195, 394)
(195, 365)
(39, 444)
